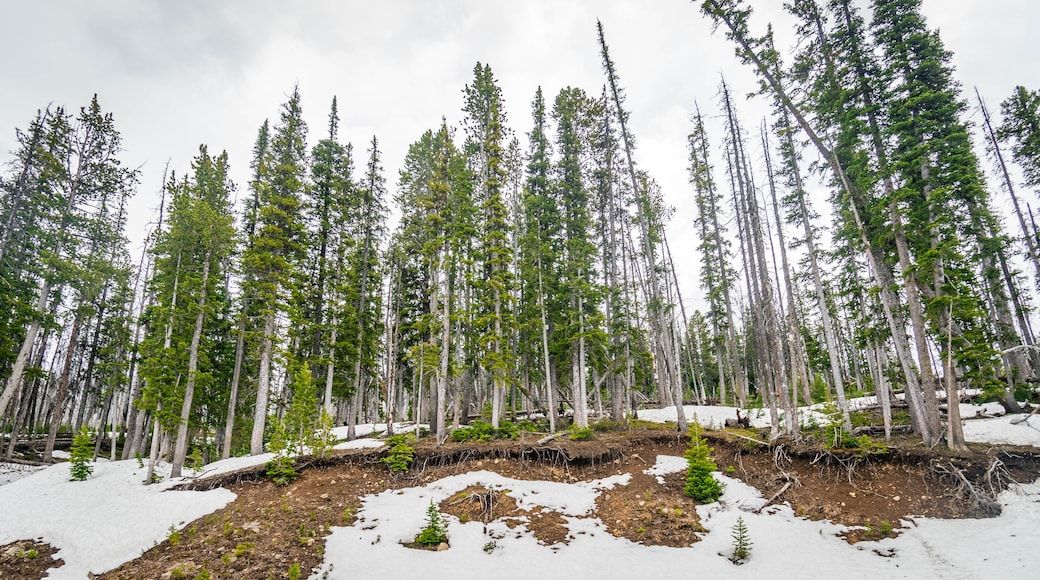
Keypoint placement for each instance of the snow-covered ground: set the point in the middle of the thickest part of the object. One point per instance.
(112, 518)
(784, 546)
(983, 423)
(98, 524)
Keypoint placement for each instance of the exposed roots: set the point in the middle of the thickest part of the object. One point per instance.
(981, 499)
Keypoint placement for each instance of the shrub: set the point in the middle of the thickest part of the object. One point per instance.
(281, 470)
(700, 485)
(294, 571)
(323, 440)
(195, 461)
(435, 531)
(81, 454)
(401, 453)
(582, 433)
(481, 431)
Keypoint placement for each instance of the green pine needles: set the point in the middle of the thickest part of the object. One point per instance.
(82, 453)
(700, 485)
(741, 542)
(401, 453)
(281, 469)
(436, 531)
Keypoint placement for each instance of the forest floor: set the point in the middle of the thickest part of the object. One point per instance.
(268, 529)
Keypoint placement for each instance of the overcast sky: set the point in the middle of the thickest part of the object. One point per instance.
(177, 74)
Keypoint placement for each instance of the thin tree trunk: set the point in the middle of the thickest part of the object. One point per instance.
(63, 386)
(549, 387)
(263, 387)
(180, 448)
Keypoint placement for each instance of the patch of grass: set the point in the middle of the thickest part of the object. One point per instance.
(609, 425)
(243, 549)
(650, 425)
(174, 537)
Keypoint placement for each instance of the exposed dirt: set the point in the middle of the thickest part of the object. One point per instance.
(27, 559)
(269, 529)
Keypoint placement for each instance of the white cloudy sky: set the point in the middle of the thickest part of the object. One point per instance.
(177, 74)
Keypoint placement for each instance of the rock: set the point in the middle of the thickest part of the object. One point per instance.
(324, 496)
(442, 546)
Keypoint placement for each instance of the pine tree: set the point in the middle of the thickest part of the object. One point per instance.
(700, 484)
(577, 268)
(485, 146)
(650, 218)
(201, 236)
(363, 272)
(80, 457)
(301, 418)
(1021, 127)
(539, 253)
(717, 276)
(272, 260)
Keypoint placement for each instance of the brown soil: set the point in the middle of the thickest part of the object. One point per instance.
(268, 529)
(27, 559)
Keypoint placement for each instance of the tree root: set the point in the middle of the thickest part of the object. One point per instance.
(981, 500)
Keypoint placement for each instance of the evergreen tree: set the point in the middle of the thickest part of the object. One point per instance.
(80, 456)
(1021, 126)
(717, 275)
(191, 255)
(485, 147)
(540, 248)
(272, 260)
(577, 266)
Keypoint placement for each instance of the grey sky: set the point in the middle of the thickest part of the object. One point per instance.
(177, 74)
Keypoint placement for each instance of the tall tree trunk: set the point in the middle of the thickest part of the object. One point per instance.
(547, 366)
(263, 387)
(180, 448)
(63, 386)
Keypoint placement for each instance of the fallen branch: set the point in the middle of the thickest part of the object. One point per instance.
(775, 495)
(549, 438)
(1024, 418)
(24, 462)
(750, 439)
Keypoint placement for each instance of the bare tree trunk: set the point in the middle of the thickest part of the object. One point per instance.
(263, 387)
(63, 387)
(236, 378)
(153, 454)
(547, 366)
(180, 448)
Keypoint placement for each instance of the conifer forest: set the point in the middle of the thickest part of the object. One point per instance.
(505, 275)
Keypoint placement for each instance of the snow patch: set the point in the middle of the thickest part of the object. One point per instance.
(102, 522)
